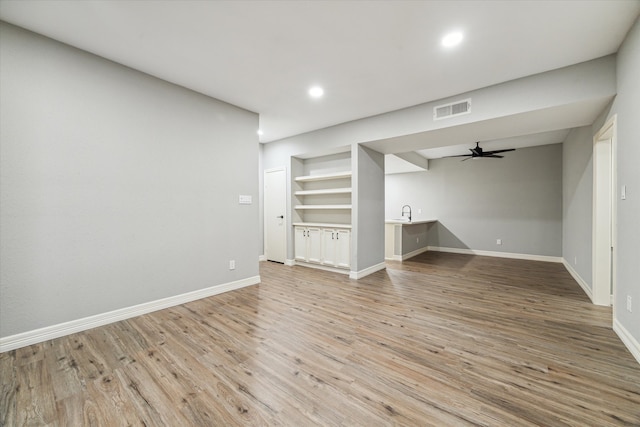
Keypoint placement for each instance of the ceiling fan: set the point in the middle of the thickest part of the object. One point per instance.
(477, 152)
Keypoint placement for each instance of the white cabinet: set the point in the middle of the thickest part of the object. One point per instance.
(336, 247)
(308, 244)
(343, 248)
(327, 246)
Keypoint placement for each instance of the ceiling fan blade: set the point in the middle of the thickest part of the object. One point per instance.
(458, 155)
(470, 157)
(495, 156)
(499, 151)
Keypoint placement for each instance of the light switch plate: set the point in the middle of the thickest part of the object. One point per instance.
(623, 192)
(244, 199)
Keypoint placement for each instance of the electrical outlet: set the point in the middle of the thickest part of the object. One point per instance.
(629, 303)
(498, 241)
(417, 240)
(575, 260)
(232, 264)
(419, 210)
(623, 192)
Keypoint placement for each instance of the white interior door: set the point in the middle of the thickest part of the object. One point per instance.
(275, 206)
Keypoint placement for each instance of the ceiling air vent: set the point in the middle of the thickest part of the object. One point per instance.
(451, 110)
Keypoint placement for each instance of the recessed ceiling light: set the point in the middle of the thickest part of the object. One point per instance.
(316, 92)
(452, 39)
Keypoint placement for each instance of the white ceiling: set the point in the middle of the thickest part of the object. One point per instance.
(532, 140)
(393, 164)
(371, 57)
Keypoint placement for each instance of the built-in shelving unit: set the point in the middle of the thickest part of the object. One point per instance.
(323, 191)
(324, 177)
(302, 207)
(321, 200)
(321, 225)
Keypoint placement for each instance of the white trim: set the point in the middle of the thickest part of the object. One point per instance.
(367, 271)
(627, 339)
(604, 194)
(55, 331)
(262, 258)
(585, 287)
(290, 262)
(408, 255)
(321, 267)
(529, 257)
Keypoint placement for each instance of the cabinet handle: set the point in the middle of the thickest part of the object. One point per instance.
(332, 236)
(337, 236)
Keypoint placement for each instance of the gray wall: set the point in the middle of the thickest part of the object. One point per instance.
(412, 237)
(368, 212)
(117, 188)
(577, 201)
(627, 108)
(517, 199)
(592, 80)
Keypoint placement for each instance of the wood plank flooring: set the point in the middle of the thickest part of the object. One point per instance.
(438, 340)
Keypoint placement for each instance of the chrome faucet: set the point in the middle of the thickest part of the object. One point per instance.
(403, 212)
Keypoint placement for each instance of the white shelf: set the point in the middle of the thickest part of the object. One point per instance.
(323, 206)
(323, 191)
(321, 224)
(324, 177)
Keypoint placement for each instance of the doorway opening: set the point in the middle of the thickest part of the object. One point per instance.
(604, 213)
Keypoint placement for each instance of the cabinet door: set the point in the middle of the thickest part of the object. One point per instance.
(300, 248)
(343, 248)
(314, 244)
(329, 246)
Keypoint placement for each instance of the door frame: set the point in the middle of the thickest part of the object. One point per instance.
(264, 211)
(604, 235)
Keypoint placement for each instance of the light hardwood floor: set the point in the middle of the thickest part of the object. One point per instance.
(439, 340)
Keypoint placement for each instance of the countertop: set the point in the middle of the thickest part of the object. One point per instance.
(401, 222)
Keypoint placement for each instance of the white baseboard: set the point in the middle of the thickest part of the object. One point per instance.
(290, 262)
(367, 271)
(627, 339)
(578, 279)
(55, 331)
(352, 274)
(408, 255)
(262, 258)
(321, 267)
(529, 257)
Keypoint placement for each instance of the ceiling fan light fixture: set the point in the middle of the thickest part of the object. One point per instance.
(478, 153)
